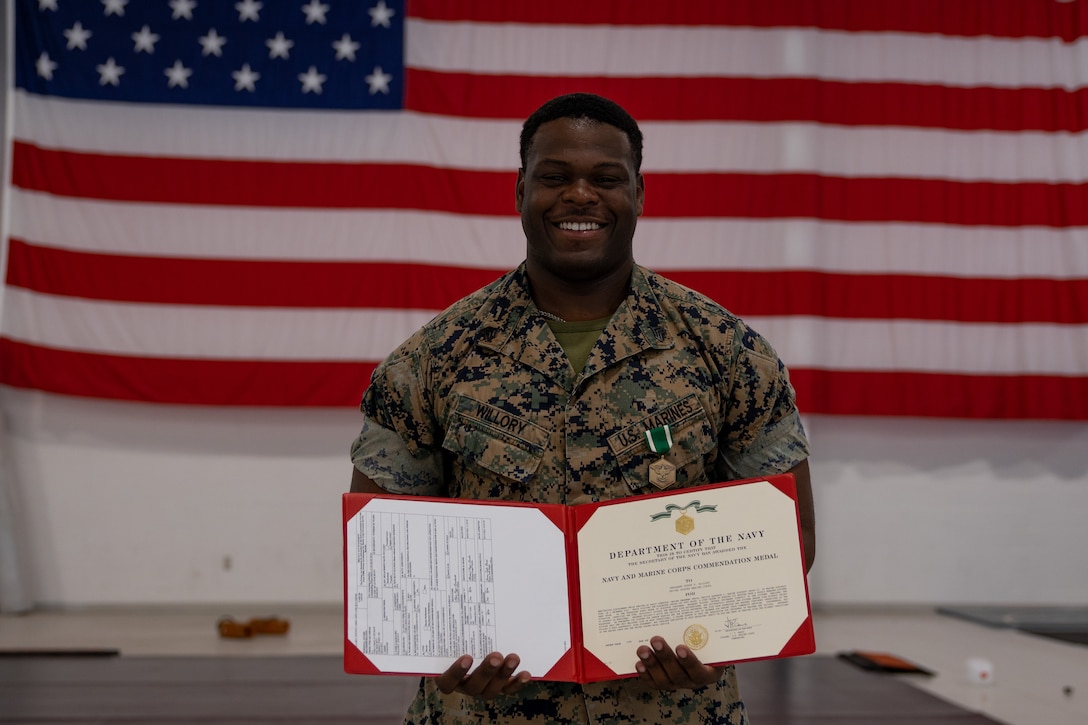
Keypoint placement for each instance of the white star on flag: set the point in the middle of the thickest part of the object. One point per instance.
(245, 78)
(145, 40)
(77, 36)
(109, 73)
(182, 9)
(47, 4)
(46, 66)
(212, 43)
(380, 14)
(178, 75)
(315, 12)
(378, 81)
(114, 7)
(346, 47)
(248, 10)
(279, 46)
(311, 80)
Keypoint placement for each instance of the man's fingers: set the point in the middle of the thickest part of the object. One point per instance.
(666, 658)
(697, 673)
(658, 665)
(480, 678)
(506, 682)
(449, 680)
(648, 669)
(665, 669)
(516, 682)
(493, 676)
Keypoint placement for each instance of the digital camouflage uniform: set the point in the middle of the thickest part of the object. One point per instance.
(481, 403)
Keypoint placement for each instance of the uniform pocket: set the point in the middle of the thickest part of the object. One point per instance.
(496, 440)
(694, 445)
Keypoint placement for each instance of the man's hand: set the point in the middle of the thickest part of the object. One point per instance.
(660, 667)
(494, 676)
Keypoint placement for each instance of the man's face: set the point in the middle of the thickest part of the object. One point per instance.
(579, 198)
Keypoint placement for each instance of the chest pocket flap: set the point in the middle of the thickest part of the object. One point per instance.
(495, 439)
(693, 449)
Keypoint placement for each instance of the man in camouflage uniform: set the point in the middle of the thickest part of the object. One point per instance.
(540, 387)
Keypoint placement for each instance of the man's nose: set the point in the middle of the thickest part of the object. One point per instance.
(581, 192)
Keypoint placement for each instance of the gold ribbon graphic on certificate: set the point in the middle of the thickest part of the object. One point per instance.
(662, 473)
(684, 523)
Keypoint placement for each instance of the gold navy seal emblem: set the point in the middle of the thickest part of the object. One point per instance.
(696, 636)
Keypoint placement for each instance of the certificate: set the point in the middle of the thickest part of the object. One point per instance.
(575, 590)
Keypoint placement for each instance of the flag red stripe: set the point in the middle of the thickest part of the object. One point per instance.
(421, 286)
(327, 185)
(184, 381)
(892, 296)
(260, 183)
(1000, 18)
(269, 283)
(840, 392)
(340, 384)
(760, 99)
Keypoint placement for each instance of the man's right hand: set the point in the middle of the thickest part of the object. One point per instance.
(494, 676)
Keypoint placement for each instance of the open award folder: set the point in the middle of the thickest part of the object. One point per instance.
(574, 590)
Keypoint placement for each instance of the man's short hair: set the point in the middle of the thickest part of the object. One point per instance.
(583, 105)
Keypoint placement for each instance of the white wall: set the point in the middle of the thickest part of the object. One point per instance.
(941, 511)
(140, 504)
(133, 503)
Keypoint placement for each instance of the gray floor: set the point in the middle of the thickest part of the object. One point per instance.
(815, 690)
(1036, 679)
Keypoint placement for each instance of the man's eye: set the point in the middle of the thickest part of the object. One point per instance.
(553, 179)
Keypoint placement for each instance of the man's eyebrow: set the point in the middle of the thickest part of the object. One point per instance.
(601, 165)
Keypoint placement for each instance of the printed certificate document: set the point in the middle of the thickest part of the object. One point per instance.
(574, 590)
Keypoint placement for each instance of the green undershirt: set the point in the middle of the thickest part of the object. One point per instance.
(578, 338)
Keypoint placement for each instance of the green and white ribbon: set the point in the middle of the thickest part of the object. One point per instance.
(699, 509)
(660, 439)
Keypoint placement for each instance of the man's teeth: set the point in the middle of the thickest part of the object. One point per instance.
(579, 226)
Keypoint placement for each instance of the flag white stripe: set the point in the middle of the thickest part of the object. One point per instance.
(197, 332)
(191, 332)
(687, 51)
(413, 138)
(482, 242)
(907, 345)
(853, 152)
(242, 134)
(267, 233)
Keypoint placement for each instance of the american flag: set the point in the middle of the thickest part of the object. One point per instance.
(252, 203)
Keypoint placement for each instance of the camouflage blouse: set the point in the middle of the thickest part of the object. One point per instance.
(482, 403)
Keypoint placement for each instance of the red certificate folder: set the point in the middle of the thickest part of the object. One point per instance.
(574, 590)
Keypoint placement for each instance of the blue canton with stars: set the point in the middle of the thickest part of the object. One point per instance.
(346, 54)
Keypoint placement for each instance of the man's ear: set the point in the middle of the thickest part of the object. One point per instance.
(640, 191)
(519, 190)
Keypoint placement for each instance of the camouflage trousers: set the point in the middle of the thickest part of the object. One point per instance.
(617, 701)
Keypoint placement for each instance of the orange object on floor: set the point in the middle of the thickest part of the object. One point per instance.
(269, 625)
(230, 629)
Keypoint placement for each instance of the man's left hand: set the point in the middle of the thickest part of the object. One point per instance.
(660, 667)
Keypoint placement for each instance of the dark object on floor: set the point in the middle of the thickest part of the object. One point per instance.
(60, 652)
(1050, 619)
(249, 690)
(882, 662)
(1070, 637)
(1068, 624)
